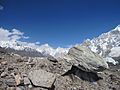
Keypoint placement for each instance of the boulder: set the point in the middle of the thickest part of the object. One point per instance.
(41, 78)
(85, 59)
(26, 81)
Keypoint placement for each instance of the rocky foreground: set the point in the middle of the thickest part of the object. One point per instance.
(80, 69)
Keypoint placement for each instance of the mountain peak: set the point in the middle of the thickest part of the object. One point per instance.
(117, 28)
(103, 43)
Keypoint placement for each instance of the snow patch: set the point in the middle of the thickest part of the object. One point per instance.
(115, 52)
(110, 60)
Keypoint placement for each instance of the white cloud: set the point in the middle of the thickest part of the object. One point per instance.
(16, 32)
(4, 34)
(37, 42)
(13, 35)
(12, 38)
(1, 7)
(26, 37)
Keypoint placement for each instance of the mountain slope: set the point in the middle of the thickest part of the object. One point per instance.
(104, 43)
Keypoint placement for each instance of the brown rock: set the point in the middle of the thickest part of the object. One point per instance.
(18, 79)
(4, 62)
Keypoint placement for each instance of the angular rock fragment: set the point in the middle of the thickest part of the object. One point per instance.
(4, 62)
(85, 59)
(18, 79)
(11, 88)
(52, 59)
(41, 78)
(11, 82)
(26, 81)
(3, 74)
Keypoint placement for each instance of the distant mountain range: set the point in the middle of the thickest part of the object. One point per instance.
(28, 49)
(101, 45)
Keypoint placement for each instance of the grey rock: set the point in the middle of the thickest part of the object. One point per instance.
(3, 74)
(11, 82)
(20, 60)
(20, 88)
(41, 78)
(30, 60)
(51, 58)
(1, 82)
(30, 86)
(66, 83)
(11, 88)
(78, 77)
(17, 88)
(85, 59)
(26, 81)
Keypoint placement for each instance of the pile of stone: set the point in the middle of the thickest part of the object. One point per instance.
(80, 69)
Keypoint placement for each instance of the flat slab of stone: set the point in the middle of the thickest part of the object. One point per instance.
(85, 59)
(42, 78)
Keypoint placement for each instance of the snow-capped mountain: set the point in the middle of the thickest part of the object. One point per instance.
(30, 47)
(11, 40)
(48, 50)
(104, 43)
(101, 44)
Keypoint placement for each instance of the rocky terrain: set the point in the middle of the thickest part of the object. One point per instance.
(80, 69)
(91, 65)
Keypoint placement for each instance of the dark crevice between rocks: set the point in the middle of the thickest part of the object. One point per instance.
(51, 88)
(84, 75)
(100, 68)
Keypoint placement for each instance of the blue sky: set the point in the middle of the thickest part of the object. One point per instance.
(60, 22)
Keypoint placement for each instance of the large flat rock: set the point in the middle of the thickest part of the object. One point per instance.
(41, 78)
(85, 59)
